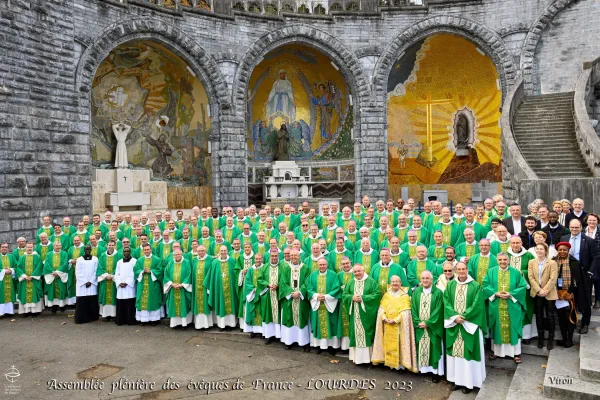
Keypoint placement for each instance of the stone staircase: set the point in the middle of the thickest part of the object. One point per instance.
(544, 130)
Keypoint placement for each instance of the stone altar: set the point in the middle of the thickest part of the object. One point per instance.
(285, 181)
(116, 188)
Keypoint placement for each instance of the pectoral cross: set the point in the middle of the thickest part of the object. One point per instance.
(429, 160)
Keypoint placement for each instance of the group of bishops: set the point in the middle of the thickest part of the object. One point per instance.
(416, 291)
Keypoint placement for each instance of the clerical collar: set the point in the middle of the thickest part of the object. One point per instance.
(322, 273)
(110, 254)
(47, 244)
(470, 223)
(416, 229)
(412, 244)
(54, 251)
(469, 279)
(247, 256)
(427, 290)
(384, 265)
(450, 222)
(257, 266)
(473, 243)
(223, 260)
(368, 253)
(126, 259)
(484, 255)
(317, 258)
(365, 276)
(58, 234)
(332, 228)
(577, 214)
(150, 256)
(503, 269)
(520, 253)
(203, 258)
(274, 265)
(81, 232)
(402, 227)
(396, 254)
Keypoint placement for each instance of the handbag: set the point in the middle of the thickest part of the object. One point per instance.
(563, 294)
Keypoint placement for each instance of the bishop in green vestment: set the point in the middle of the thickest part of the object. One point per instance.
(418, 265)
(29, 273)
(519, 258)
(7, 285)
(465, 323)
(506, 290)
(428, 318)
(324, 292)
(361, 298)
(383, 271)
(366, 255)
(222, 289)
(73, 254)
(450, 231)
(344, 276)
(177, 285)
(56, 275)
(107, 288)
(251, 299)
(242, 264)
(201, 267)
(148, 273)
(268, 289)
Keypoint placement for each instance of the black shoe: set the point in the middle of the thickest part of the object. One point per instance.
(269, 340)
(540, 340)
(221, 329)
(560, 342)
(53, 311)
(62, 309)
(288, 347)
(307, 348)
(332, 352)
(568, 343)
(597, 304)
(252, 335)
(455, 387)
(435, 379)
(319, 350)
(583, 330)
(550, 343)
(467, 390)
(526, 341)
(154, 323)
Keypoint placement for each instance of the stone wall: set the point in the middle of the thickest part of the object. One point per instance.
(549, 190)
(51, 49)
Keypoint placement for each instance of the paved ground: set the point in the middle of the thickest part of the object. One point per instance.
(50, 348)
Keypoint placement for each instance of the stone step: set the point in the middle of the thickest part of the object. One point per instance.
(564, 175)
(528, 379)
(550, 103)
(548, 133)
(589, 356)
(496, 384)
(541, 163)
(551, 95)
(562, 379)
(555, 124)
(554, 153)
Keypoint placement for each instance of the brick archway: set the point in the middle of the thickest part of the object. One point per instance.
(352, 71)
(203, 66)
(530, 78)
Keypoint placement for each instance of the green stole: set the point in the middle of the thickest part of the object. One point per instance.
(145, 285)
(322, 312)
(8, 283)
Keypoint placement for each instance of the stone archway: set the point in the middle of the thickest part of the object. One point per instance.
(490, 42)
(202, 65)
(351, 69)
(530, 78)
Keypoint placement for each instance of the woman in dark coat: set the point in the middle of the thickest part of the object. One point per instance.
(569, 278)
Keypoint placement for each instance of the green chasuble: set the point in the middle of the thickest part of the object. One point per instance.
(344, 325)
(30, 292)
(290, 221)
(423, 236)
(186, 245)
(178, 300)
(83, 236)
(502, 312)
(402, 233)
(73, 254)
(17, 253)
(416, 267)
(479, 265)
(149, 286)
(242, 263)
(467, 250)
(362, 316)
(499, 247)
(252, 308)
(428, 308)
(345, 223)
(479, 230)
(367, 260)
(329, 234)
(520, 262)
(401, 258)
(382, 276)
(410, 249)
(437, 254)
(164, 249)
(324, 322)
(200, 275)
(334, 259)
(7, 285)
(222, 288)
(195, 231)
(450, 232)
(107, 290)
(59, 263)
(251, 238)
(465, 299)
(294, 312)
(270, 309)
(309, 241)
(64, 240)
(231, 233)
(312, 263)
(48, 230)
(214, 224)
(43, 250)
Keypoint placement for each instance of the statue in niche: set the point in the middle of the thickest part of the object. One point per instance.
(121, 130)
(161, 166)
(462, 132)
(283, 144)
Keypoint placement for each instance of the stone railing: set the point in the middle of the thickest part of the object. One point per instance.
(279, 8)
(514, 166)
(589, 142)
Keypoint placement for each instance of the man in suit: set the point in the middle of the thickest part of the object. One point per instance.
(585, 250)
(526, 235)
(577, 213)
(515, 224)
